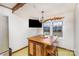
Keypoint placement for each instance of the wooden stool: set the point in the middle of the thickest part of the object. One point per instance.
(52, 51)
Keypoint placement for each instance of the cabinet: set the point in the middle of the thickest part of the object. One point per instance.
(36, 49)
(38, 46)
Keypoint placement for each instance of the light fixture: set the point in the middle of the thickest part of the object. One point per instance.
(42, 17)
(50, 18)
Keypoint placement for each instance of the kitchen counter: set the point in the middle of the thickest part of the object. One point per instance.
(38, 44)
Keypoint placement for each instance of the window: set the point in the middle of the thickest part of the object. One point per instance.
(46, 28)
(53, 26)
(57, 28)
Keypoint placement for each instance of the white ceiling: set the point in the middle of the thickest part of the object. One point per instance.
(50, 9)
(50, 6)
(10, 5)
(34, 9)
(41, 6)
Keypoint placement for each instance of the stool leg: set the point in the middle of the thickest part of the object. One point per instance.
(57, 52)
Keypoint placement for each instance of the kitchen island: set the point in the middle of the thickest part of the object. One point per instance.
(37, 45)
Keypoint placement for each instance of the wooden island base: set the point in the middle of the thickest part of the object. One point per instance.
(38, 46)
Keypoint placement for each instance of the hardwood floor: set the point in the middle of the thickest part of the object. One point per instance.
(61, 52)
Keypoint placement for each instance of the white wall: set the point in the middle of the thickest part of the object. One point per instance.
(68, 31)
(67, 40)
(19, 31)
(4, 35)
(4, 11)
(66, 10)
(76, 41)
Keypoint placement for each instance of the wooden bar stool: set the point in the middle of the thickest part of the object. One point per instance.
(52, 50)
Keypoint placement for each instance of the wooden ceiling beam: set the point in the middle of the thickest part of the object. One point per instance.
(52, 18)
(17, 6)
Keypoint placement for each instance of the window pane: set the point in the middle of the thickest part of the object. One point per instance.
(57, 28)
(46, 28)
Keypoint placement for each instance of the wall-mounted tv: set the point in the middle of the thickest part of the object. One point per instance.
(34, 23)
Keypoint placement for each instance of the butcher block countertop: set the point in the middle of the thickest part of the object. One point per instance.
(41, 39)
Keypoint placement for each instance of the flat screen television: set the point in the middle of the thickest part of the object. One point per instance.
(34, 23)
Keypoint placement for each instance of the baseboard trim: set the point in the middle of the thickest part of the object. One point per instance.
(58, 47)
(19, 49)
(67, 49)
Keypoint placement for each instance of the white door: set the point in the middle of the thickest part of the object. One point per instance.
(4, 35)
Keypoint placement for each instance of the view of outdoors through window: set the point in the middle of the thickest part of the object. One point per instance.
(56, 28)
(46, 28)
